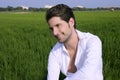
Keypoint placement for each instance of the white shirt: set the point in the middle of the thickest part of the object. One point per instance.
(88, 59)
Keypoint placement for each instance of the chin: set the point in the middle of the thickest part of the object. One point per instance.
(61, 41)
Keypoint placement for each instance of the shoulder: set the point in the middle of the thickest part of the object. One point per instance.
(56, 47)
(88, 37)
(93, 39)
(56, 50)
(93, 42)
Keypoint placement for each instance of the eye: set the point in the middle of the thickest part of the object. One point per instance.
(58, 25)
(51, 28)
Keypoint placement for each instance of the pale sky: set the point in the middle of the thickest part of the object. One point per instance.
(71, 3)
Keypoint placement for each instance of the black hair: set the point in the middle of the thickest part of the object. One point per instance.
(61, 10)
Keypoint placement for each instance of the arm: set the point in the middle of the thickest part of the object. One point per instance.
(92, 66)
(53, 67)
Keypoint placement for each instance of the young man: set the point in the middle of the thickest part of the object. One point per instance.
(78, 55)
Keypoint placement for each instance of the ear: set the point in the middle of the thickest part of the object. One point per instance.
(71, 22)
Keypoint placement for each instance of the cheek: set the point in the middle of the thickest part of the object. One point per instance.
(63, 30)
(66, 30)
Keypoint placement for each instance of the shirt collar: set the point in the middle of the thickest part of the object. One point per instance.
(80, 34)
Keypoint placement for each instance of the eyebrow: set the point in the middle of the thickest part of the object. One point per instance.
(58, 24)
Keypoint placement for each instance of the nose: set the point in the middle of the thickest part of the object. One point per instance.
(55, 31)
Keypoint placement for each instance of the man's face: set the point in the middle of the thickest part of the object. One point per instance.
(60, 29)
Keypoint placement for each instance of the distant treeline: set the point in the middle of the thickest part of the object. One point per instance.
(10, 8)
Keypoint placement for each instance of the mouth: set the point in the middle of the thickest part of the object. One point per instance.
(58, 37)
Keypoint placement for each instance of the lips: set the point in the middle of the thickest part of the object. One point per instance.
(58, 37)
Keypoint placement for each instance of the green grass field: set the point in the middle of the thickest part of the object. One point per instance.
(25, 42)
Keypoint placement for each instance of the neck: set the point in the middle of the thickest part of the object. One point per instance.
(71, 45)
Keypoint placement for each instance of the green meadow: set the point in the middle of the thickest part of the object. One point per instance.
(25, 43)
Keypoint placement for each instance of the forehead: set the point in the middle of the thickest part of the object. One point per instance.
(55, 20)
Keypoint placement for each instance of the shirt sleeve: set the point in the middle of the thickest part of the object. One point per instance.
(92, 65)
(53, 67)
